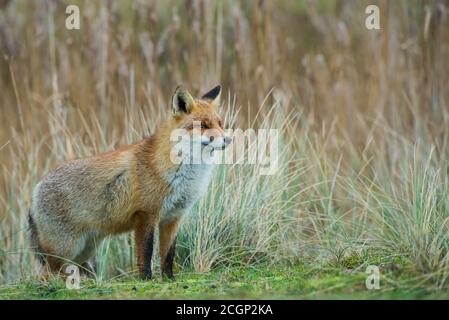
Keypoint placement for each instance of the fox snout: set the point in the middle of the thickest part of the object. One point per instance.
(216, 142)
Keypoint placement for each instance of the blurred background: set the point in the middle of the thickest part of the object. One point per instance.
(317, 54)
(364, 116)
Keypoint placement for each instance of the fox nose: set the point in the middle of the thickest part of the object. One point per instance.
(227, 140)
(206, 142)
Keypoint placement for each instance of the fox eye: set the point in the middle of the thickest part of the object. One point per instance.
(204, 126)
(220, 123)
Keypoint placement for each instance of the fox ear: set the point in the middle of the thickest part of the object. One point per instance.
(182, 101)
(213, 95)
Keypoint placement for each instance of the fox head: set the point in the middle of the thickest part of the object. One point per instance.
(197, 123)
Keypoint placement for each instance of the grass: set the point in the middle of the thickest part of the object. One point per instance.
(342, 278)
(363, 120)
(301, 281)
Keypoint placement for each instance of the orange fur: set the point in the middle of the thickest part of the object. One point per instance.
(115, 192)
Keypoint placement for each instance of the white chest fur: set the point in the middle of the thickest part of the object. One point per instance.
(188, 183)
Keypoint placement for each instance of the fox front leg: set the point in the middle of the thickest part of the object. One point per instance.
(144, 234)
(167, 242)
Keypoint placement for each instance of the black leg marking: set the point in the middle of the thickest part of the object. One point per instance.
(148, 254)
(89, 268)
(168, 265)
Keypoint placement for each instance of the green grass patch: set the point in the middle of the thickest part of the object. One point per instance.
(301, 281)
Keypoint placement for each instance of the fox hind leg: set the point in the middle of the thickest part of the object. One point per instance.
(57, 251)
(88, 261)
(89, 268)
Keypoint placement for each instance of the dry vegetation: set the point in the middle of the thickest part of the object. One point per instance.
(364, 119)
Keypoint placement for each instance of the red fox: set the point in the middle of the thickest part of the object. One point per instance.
(136, 187)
